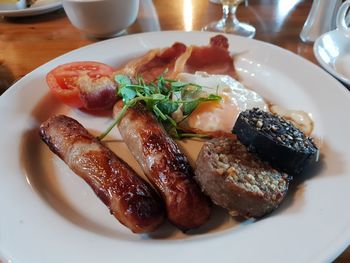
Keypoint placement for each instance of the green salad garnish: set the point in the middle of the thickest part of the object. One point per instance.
(163, 97)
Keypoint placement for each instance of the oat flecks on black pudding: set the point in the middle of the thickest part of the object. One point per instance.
(237, 180)
(276, 141)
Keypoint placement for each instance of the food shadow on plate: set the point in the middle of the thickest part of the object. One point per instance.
(295, 195)
(219, 221)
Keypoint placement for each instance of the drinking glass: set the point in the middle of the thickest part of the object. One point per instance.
(229, 22)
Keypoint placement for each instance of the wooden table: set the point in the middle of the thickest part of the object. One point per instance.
(28, 42)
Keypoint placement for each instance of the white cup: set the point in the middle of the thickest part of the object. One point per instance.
(342, 18)
(101, 18)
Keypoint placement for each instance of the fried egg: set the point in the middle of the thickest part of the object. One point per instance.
(220, 116)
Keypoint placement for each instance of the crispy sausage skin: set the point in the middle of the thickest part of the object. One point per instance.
(129, 198)
(165, 166)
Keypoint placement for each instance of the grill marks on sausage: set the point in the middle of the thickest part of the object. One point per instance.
(130, 199)
(156, 143)
(169, 156)
(165, 166)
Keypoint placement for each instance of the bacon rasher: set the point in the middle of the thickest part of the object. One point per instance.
(213, 59)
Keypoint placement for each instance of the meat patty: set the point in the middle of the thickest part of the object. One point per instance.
(237, 180)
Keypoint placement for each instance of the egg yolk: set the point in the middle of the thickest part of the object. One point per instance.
(213, 116)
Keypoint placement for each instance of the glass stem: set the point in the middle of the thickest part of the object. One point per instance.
(229, 14)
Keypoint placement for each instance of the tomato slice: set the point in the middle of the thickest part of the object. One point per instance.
(63, 80)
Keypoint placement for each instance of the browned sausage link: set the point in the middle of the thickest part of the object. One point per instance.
(165, 166)
(129, 198)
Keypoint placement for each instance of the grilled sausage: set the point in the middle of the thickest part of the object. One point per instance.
(129, 198)
(165, 166)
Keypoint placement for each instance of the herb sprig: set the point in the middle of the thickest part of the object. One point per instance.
(163, 97)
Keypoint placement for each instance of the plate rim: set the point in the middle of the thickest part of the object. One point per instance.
(32, 11)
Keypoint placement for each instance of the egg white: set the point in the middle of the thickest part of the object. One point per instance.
(220, 116)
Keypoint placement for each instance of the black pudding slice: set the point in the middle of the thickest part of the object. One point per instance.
(276, 141)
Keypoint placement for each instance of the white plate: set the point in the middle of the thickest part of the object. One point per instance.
(36, 9)
(332, 49)
(48, 214)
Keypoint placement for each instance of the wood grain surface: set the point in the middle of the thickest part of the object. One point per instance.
(28, 42)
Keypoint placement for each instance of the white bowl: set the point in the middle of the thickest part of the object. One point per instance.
(101, 18)
(332, 49)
